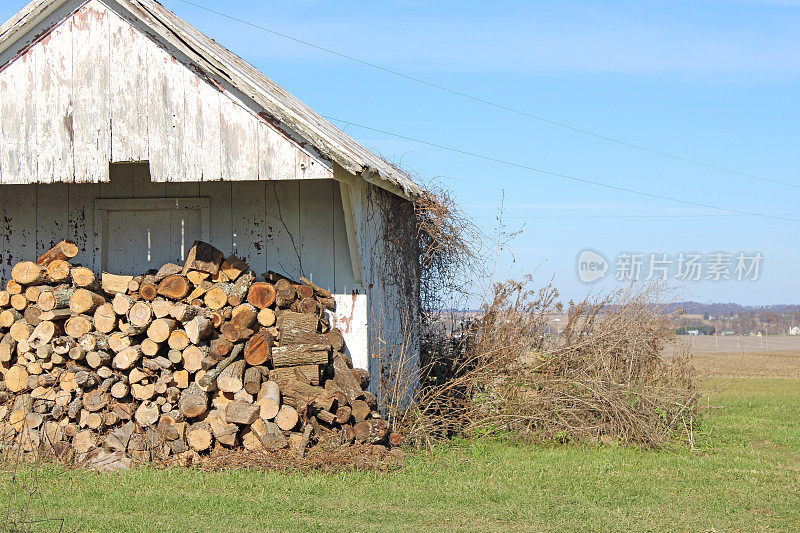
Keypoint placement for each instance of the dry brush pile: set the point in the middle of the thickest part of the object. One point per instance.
(173, 363)
(601, 378)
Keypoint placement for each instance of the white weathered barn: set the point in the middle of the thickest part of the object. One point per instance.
(130, 132)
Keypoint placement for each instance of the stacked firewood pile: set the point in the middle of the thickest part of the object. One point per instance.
(174, 363)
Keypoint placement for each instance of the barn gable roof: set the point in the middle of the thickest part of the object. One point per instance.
(281, 109)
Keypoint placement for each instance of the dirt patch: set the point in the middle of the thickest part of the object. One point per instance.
(322, 458)
(778, 364)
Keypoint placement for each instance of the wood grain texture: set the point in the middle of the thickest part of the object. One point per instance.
(92, 117)
(128, 82)
(316, 230)
(283, 227)
(249, 223)
(165, 90)
(18, 121)
(238, 141)
(54, 112)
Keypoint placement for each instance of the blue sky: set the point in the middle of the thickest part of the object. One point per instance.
(713, 81)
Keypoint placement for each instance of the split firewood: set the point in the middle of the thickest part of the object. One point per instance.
(77, 326)
(167, 270)
(63, 251)
(240, 289)
(261, 295)
(174, 287)
(115, 284)
(59, 271)
(193, 401)
(252, 379)
(85, 302)
(148, 290)
(198, 329)
(105, 318)
(269, 400)
(29, 273)
(300, 354)
(224, 431)
(231, 379)
(287, 418)
(161, 329)
(310, 374)
(204, 257)
(233, 267)
(196, 277)
(241, 413)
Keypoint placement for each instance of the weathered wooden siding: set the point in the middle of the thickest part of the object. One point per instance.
(96, 89)
(262, 222)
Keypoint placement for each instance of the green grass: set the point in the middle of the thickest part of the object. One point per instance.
(744, 476)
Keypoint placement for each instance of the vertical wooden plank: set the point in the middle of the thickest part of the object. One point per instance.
(52, 217)
(20, 224)
(277, 156)
(165, 115)
(343, 275)
(185, 228)
(283, 227)
(128, 85)
(91, 123)
(219, 193)
(238, 141)
(309, 169)
(183, 189)
(316, 231)
(143, 187)
(249, 223)
(5, 267)
(208, 121)
(121, 184)
(81, 221)
(193, 128)
(53, 98)
(18, 121)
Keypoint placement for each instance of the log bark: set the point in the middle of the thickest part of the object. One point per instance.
(300, 354)
(240, 289)
(269, 400)
(324, 293)
(344, 379)
(371, 431)
(212, 375)
(235, 333)
(169, 269)
(193, 401)
(252, 379)
(231, 379)
(310, 374)
(241, 413)
(184, 312)
(204, 257)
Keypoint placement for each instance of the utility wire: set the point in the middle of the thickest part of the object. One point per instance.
(496, 104)
(559, 174)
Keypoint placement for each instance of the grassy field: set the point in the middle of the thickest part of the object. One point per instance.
(744, 475)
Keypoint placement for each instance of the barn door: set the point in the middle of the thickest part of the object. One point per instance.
(136, 235)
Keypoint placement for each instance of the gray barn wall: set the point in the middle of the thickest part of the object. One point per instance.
(262, 222)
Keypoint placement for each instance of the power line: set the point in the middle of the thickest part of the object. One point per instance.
(496, 104)
(582, 217)
(559, 174)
